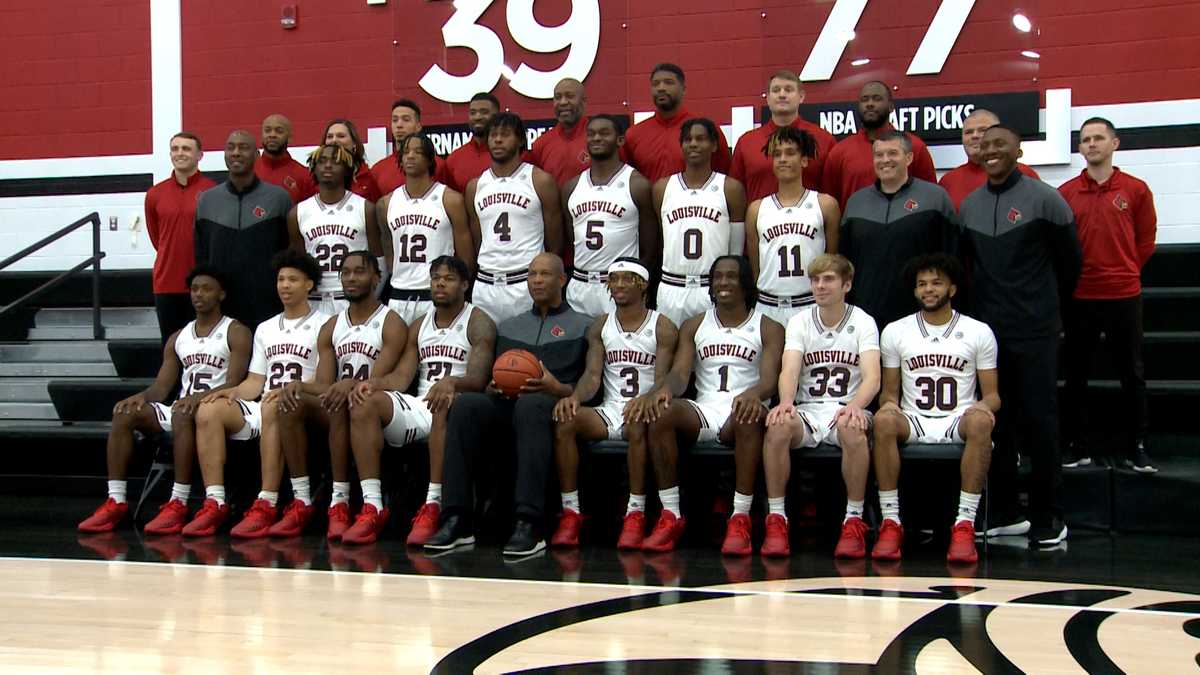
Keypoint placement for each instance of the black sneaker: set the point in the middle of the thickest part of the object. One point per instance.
(453, 533)
(524, 540)
(1074, 456)
(1140, 460)
(1049, 534)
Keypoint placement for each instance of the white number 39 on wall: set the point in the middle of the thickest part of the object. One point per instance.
(580, 34)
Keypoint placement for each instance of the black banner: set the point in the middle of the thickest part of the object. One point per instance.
(935, 119)
(449, 137)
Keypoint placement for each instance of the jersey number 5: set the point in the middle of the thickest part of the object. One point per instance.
(595, 236)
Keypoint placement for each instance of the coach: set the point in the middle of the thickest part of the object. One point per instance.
(969, 176)
(240, 225)
(557, 335)
(652, 145)
(562, 151)
(1020, 240)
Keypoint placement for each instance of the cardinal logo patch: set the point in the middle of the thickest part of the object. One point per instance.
(259, 212)
(1014, 215)
(911, 205)
(289, 182)
(557, 331)
(1120, 202)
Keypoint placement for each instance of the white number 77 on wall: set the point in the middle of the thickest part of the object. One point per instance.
(580, 33)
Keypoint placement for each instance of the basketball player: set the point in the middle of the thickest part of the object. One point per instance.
(932, 361)
(285, 349)
(331, 223)
(213, 351)
(830, 375)
(612, 217)
(449, 350)
(701, 213)
(736, 352)
(786, 230)
(365, 339)
(423, 220)
(514, 212)
(630, 349)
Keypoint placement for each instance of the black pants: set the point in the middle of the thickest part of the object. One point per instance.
(480, 424)
(174, 311)
(1121, 323)
(1027, 424)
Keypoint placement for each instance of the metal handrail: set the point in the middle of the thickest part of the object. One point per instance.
(93, 262)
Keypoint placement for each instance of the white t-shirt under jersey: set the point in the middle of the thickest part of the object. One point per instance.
(937, 363)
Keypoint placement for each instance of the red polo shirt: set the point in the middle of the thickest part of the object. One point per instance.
(364, 184)
(465, 164)
(850, 166)
(288, 174)
(1117, 225)
(755, 169)
(170, 219)
(388, 175)
(963, 180)
(652, 146)
(560, 153)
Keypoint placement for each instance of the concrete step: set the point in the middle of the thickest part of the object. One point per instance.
(95, 351)
(85, 333)
(82, 316)
(28, 411)
(24, 389)
(57, 369)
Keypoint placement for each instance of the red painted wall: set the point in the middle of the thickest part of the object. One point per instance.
(76, 72)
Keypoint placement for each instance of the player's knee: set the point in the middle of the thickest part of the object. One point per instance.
(182, 420)
(565, 430)
(270, 412)
(777, 437)
(850, 438)
(366, 412)
(977, 425)
(887, 425)
(635, 433)
(124, 421)
(207, 414)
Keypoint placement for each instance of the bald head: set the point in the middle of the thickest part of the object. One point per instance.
(276, 133)
(973, 127)
(548, 261)
(569, 99)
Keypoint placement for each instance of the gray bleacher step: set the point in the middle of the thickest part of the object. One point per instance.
(26, 389)
(75, 352)
(57, 369)
(28, 411)
(25, 430)
(82, 316)
(85, 333)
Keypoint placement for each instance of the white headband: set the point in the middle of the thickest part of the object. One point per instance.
(630, 266)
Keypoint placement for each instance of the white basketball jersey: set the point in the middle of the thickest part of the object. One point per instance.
(205, 360)
(629, 357)
(830, 371)
(726, 358)
(789, 237)
(605, 220)
(442, 351)
(937, 363)
(510, 220)
(421, 233)
(330, 231)
(357, 346)
(695, 225)
(285, 350)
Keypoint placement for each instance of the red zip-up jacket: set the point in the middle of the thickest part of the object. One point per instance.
(170, 218)
(1117, 225)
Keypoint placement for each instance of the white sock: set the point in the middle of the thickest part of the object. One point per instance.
(434, 494)
(116, 491)
(968, 505)
(301, 490)
(570, 500)
(636, 503)
(271, 498)
(341, 492)
(215, 493)
(372, 490)
(670, 500)
(776, 505)
(854, 509)
(889, 504)
(181, 491)
(741, 503)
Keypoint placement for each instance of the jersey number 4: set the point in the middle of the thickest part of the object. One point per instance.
(348, 372)
(502, 229)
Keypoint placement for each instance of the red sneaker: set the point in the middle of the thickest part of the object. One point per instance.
(737, 536)
(775, 544)
(962, 543)
(424, 524)
(339, 521)
(667, 532)
(105, 518)
(567, 534)
(887, 544)
(258, 519)
(295, 519)
(633, 531)
(171, 518)
(367, 526)
(853, 542)
(207, 519)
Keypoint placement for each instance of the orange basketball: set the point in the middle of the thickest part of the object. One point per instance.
(513, 368)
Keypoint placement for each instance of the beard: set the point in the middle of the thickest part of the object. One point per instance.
(938, 304)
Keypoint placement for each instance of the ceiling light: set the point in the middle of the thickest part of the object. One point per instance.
(1031, 54)
(860, 62)
(1021, 22)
